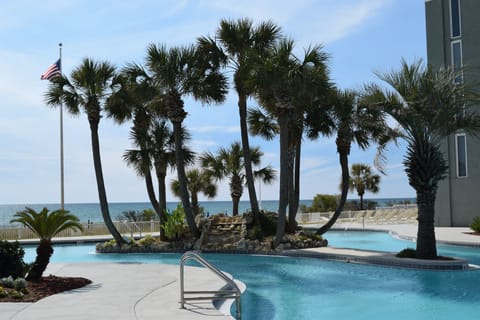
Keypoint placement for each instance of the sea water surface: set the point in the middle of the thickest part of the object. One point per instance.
(91, 211)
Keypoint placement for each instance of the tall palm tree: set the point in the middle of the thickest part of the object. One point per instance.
(246, 44)
(90, 86)
(428, 105)
(286, 87)
(134, 101)
(45, 225)
(362, 180)
(198, 181)
(178, 72)
(230, 164)
(353, 123)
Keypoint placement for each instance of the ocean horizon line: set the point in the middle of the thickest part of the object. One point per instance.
(200, 201)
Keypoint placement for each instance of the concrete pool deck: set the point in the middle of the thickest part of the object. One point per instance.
(149, 291)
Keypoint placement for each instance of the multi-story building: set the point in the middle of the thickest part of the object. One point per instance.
(453, 39)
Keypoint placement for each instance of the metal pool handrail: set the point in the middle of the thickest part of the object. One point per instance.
(233, 293)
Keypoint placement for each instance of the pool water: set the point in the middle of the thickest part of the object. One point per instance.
(301, 288)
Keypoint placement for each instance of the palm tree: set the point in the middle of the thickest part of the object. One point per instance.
(244, 45)
(178, 72)
(90, 86)
(135, 100)
(45, 225)
(286, 87)
(353, 123)
(230, 164)
(362, 180)
(428, 105)
(198, 181)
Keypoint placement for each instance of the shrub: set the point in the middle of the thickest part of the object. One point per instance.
(407, 253)
(475, 226)
(147, 241)
(324, 202)
(20, 284)
(7, 282)
(16, 294)
(3, 292)
(174, 224)
(11, 263)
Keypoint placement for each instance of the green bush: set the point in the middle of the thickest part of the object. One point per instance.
(147, 241)
(174, 224)
(475, 226)
(407, 253)
(11, 263)
(324, 202)
(20, 284)
(7, 282)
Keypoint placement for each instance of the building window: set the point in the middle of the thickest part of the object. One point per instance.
(457, 62)
(455, 18)
(461, 148)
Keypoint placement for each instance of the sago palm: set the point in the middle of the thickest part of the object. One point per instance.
(45, 225)
(427, 105)
(87, 90)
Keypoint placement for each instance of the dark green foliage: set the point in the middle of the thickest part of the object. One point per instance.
(324, 202)
(268, 223)
(475, 226)
(11, 259)
(407, 253)
(355, 205)
(266, 226)
(174, 224)
(137, 216)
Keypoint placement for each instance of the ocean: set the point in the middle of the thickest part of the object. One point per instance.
(91, 211)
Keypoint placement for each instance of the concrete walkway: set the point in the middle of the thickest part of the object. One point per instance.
(121, 291)
(152, 291)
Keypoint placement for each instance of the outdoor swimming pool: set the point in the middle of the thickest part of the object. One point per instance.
(301, 288)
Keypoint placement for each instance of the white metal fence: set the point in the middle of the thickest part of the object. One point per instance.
(381, 215)
(127, 228)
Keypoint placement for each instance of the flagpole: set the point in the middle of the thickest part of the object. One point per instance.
(62, 194)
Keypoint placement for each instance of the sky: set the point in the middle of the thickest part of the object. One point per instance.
(361, 37)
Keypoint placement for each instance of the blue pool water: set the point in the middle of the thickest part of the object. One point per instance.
(300, 288)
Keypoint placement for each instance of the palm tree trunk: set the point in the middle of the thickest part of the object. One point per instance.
(194, 203)
(102, 195)
(182, 178)
(236, 190)
(44, 252)
(162, 200)
(151, 192)
(343, 158)
(153, 200)
(242, 107)
(292, 223)
(298, 150)
(235, 202)
(426, 243)
(283, 195)
(361, 201)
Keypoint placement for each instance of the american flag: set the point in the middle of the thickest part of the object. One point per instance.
(53, 71)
